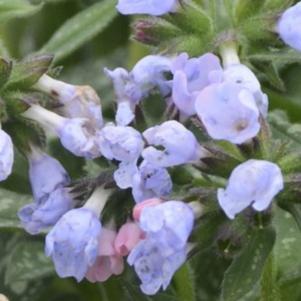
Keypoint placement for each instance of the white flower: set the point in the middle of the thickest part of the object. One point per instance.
(255, 182)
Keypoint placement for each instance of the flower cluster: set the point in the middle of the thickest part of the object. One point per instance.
(220, 93)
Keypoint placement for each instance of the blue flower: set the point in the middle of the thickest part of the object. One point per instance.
(46, 212)
(179, 145)
(120, 143)
(191, 76)
(73, 243)
(243, 76)
(228, 112)
(77, 135)
(255, 182)
(6, 155)
(48, 179)
(157, 257)
(289, 26)
(150, 181)
(131, 87)
(150, 7)
(76, 101)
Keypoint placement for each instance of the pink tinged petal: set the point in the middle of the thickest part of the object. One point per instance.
(140, 206)
(106, 242)
(127, 238)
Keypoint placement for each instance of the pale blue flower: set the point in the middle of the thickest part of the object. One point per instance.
(155, 264)
(6, 155)
(48, 179)
(120, 143)
(228, 112)
(253, 183)
(179, 145)
(289, 26)
(46, 212)
(191, 75)
(75, 101)
(243, 76)
(79, 137)
(73, 243)
(150, 181)
(157, 257)
(131, 87)
(149, 7)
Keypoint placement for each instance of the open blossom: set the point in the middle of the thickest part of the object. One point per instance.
(6, 155)
(73, 242)
(152, 7)
(108, 261)
(150, 181)
(51, 197)
(179, 145)
(191, 76)
(243, 76)
(253, 183)
(120, 143)
(157, 257)
(76, 134)
(76, 101)
(131, 87)
(289, 26)
(228, 112)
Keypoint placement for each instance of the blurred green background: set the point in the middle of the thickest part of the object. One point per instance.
(102, 39)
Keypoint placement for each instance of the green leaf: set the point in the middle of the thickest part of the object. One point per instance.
(27, 72)
(26, 262)
(184, 282)
(10, 9)
(246, 269)
(287, 247)
(81, 28)
(5, 71)
(10, 203)
(247, 8)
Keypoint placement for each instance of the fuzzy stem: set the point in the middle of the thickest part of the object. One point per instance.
(98, 199)
(229, 54)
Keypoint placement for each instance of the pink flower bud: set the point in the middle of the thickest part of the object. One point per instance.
(108, 262)
(140, 206)
(127, 238)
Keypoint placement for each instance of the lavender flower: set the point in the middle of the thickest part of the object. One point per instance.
(51, 198)
(289, 26)
(229, 112)
(242, 75)
(179, 145)
(76, 101)
(152, 7)
(6, 155)
(157, 257)
(150, 181)
(76, 134)
(120, 143)
(132, 87)
(191, 76)
(255, 182)
(73, 243)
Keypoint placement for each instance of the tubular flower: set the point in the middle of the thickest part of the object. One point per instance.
(255, 183)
